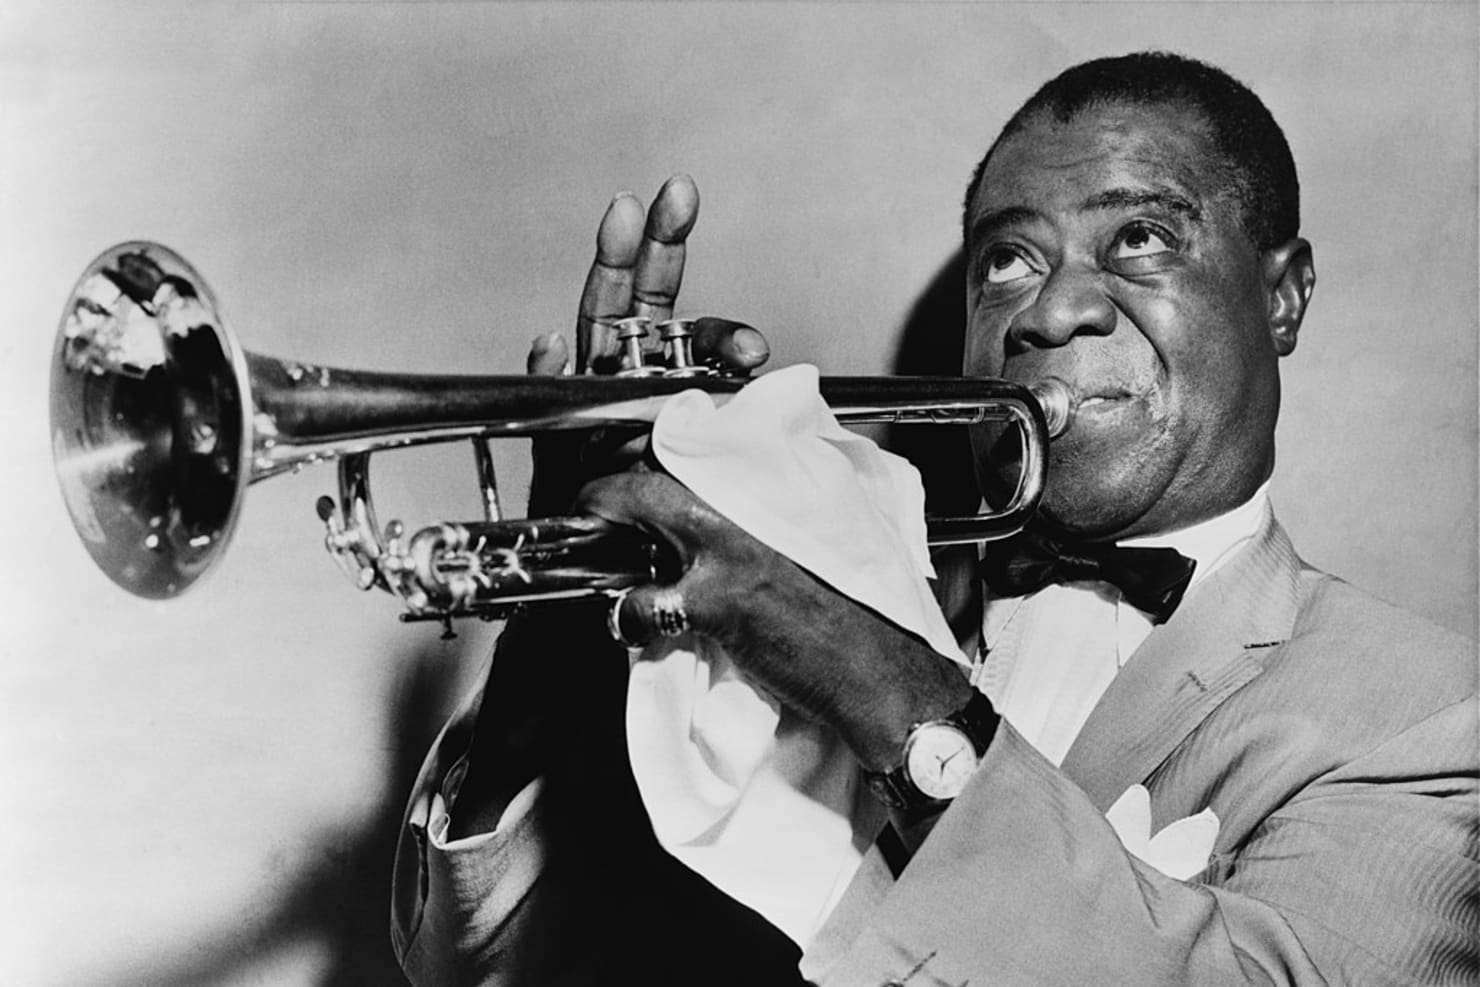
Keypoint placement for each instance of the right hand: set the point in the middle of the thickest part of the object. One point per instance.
(531, 698)
(638, 270)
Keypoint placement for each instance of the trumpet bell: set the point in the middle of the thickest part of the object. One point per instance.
(149, 414)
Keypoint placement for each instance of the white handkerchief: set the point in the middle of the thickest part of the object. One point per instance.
(1179, 850)
(765, 806)
(775, 461)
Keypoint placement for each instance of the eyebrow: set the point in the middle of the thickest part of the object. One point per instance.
(1135, 198)
(1114, 198)
(999, 218)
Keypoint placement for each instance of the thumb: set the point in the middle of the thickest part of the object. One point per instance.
(548, 356)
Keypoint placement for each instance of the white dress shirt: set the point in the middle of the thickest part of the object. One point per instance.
(1047, 658)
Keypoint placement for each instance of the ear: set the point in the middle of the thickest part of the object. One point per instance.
(1289, 279)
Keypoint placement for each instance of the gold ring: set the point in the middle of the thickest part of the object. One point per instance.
(614, 619)
(668, 612)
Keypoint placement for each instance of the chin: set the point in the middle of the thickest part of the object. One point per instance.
(1083, 518)
(1097, 502)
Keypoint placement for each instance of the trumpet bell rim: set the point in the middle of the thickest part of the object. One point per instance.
(150, 419)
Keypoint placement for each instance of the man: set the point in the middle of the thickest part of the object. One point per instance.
(1134, 232)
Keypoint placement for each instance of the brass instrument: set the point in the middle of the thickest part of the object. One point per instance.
(160, 421)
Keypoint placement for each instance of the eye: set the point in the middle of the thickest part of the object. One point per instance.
(1004, 265)
(1140, 240)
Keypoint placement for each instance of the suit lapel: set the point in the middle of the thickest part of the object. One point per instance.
(1213, 645)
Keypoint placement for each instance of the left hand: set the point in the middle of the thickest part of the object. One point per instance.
(813, 648)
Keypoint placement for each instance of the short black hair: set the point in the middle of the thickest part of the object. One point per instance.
(1260, 172)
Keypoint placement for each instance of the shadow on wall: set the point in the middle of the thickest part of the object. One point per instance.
(343, 903)
(931, 344)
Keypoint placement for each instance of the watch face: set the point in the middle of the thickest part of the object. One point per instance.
(939, 759)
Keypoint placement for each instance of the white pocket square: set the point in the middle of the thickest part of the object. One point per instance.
(1180, 850)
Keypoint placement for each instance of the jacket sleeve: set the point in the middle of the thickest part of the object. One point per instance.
(1367, 877)
(572, 888)
(451, 896)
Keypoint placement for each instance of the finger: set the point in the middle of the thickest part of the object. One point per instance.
(650, 500)
(645, 613)
(660, 259)
(733, 347)
(549, 356)
(657, 504)
(607, 295)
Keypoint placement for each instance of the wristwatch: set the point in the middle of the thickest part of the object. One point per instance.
(939, 756)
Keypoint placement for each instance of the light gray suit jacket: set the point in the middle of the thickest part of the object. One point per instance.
(1335, 738)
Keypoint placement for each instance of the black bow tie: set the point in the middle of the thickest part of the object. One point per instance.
(1150, 579)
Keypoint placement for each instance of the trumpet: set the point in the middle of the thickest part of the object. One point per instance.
(160, 421)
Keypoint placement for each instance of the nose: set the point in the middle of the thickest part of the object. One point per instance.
(1070, 302)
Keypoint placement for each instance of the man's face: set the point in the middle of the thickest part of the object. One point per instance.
(1102, 252)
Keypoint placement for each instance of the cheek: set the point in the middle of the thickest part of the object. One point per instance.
(1198, 350)
(985, 349)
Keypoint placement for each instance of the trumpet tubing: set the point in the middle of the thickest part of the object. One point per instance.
(160, 421)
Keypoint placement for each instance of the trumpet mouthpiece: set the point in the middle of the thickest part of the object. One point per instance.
(1056, 398)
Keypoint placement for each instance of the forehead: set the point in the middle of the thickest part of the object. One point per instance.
(1049, 166)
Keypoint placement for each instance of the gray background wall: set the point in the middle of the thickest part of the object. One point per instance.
(202, 792)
